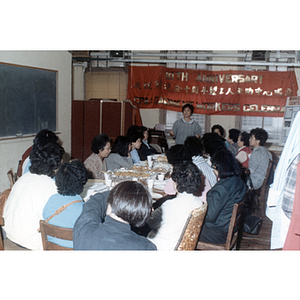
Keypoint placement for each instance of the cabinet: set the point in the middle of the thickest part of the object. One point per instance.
(95, 116)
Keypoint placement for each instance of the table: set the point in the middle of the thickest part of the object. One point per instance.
(139, 172)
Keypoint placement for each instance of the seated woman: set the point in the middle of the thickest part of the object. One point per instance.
(135, 139)
(232, 139)
(95, 163)
(244, 151)
(24, 206)
(176, 154)
(168, 220)
(129, 203)
(229, 189)
(146, 149)
(70, 180)
(119, 156)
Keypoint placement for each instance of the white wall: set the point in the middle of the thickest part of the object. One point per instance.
(11, 150)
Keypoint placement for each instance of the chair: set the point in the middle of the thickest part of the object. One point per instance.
(54, 231)
(3, 197)
(190, 233)
(233, 236)
(262, 193)
(11, 177)
(156, 147)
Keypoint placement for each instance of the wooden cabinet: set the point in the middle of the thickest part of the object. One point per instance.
(92, 117)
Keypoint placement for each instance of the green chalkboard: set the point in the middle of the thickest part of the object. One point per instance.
(27, 100)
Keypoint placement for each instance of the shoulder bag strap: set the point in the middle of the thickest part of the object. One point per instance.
(59, 210)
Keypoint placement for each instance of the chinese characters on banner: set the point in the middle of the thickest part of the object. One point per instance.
(234, 92)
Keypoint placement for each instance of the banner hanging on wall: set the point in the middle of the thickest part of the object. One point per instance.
(234, 92)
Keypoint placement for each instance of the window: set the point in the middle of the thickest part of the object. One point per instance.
(272, 125)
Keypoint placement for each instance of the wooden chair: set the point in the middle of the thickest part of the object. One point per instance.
(3, 197)
(234, 231)
(11, 177)
(54, 231)
(261, 194)
(190, 233)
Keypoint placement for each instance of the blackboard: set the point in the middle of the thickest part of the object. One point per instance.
(27, 100)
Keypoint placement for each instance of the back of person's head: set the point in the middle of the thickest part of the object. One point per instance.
(44, 137)
(212, 142)
(219, 128)
(121, 145)
(234, 134)
(131, 201)
(71, 177)
(99, 142)
(245, 136)
(46, 160)
(134, 136)
(132, 129)
(143, 129)
(177, 154)
(193, 145)
(187, 176)
(190, 106)
(225, 163)
(260, 134)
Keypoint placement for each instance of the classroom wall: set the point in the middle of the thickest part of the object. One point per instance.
(12, 149)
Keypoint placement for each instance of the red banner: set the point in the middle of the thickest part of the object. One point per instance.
(234, 92)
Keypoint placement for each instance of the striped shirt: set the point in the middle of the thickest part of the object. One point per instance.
(205, 168)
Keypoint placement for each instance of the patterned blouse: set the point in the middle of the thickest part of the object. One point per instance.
(95, 165)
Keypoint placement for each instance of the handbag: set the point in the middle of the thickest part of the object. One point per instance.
(252, 224)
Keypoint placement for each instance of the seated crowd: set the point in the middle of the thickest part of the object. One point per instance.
(204, 169)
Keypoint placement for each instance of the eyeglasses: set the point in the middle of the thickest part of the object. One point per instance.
(107, 148)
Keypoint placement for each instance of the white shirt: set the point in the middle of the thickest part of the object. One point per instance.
(169, 219)
(24, 207)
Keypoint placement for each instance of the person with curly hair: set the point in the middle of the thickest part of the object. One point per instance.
(95, 163)
(24, 207)
(229, 189)
(105, 222)
(259, 159)
(70, 180)
(167, 221)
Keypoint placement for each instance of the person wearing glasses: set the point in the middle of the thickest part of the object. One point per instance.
(95, 163)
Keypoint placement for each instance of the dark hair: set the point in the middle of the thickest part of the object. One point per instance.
(221, 129)
(121, 145)
(190, 106)
(71, 177)
(212, 142)
(245, 136)
(187, 176)
(225, 163)
(234, 134)
(132, 129)
(177, 154)
(193, 145)
(134, 136)
(99, 142)
(45, 160)
(143, 129)
(131, 201)
(44, 137)
(260, 134)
